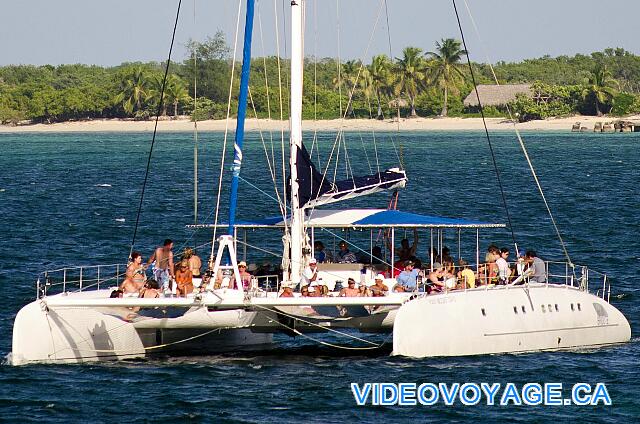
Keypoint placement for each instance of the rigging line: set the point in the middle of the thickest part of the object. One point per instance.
(226, 133)
(521, 142)
(386, 12)
(341, 130)
(266, 84)
(281, 203)
(260, 190)
(315, 81)
(338, 63)
(486, 130)
(284, 166)
(195, 126)
(155, 128)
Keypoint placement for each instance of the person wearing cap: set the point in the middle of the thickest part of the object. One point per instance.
(350, 290)
(287, 291)
(245, 276)
(407, 279)
(379, 288)
(310, 273)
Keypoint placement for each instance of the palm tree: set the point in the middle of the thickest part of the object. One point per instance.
(411, 69)
(155, 82)
(381, 79)
(446, 67)
(134, 89)
(600, 86)
(175, 92)
(348, 77)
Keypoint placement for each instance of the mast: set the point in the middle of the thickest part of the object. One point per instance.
(297, 213)
(242, 112)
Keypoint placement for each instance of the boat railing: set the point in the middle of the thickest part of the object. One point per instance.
(79, 278)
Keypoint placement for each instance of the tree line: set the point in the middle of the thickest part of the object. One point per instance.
(417, 83)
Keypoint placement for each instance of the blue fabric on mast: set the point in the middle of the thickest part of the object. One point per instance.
(242, 111)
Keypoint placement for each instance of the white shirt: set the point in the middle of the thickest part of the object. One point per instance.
(308, 275)
(503, 268)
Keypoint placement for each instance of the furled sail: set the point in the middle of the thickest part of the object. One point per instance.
(314, 190)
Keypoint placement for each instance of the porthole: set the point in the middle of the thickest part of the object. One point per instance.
(484, 313)
(557, 309)
(543, 310)
(572, 307)
(524, 311)
(549, 307)
(579, 307)
(515, 309)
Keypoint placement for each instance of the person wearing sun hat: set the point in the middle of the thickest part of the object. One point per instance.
(379, 288)
(245, 276)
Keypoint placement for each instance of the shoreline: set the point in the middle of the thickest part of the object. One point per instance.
(414, 124)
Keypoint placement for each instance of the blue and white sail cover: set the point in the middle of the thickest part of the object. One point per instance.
(315, 189)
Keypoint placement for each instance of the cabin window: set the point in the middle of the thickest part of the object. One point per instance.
(524, 311)
(515, 309)
(549, 307)
(543, 311)
(484, 313)
(579, 307)
(572, 307)
(557, 309)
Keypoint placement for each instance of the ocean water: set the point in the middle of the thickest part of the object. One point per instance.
(71, 199)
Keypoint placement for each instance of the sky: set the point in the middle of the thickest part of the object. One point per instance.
(114, 31)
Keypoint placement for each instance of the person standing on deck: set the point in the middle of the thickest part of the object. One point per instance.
(539, 274)
(163, 270)
(407, 252)
(504, 272)
(310, 273)
(195, 263)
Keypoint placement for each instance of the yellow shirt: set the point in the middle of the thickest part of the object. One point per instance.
(469, 277)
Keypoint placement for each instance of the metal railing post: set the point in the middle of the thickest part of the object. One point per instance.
(64, 280)
(98, 277)
(80, 279)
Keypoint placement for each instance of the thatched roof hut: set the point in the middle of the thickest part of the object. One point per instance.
(497, 95)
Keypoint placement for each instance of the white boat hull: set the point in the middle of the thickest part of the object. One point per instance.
(80, 334)
(506, 319)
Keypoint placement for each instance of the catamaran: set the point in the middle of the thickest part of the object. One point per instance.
(74, 319)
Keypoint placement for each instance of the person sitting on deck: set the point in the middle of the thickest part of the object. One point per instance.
(136, 271)
(287, 291)
(310, 273)
(345, 256)
(304, 291)
(245, 277)
(466, 277)
(379, 288)
(350, 290)
(195, 263)
(151, 289)
(364, 291)
(539, 274)
(376, 255)
(406, 251)
(117, 293)
(436, 278)
(319, 253)
(407, 280)
(318, 288)
(184, 278)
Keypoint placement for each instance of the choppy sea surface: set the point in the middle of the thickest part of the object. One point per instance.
(71, 199)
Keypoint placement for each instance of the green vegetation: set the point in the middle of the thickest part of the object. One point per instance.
(415, 84)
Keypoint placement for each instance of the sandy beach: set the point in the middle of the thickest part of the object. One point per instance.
(416, 124)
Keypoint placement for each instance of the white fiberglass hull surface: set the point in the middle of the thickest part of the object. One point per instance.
(506, 319)
(81, 334)
(62, 328)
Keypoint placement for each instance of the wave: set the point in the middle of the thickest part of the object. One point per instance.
(103, 185)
